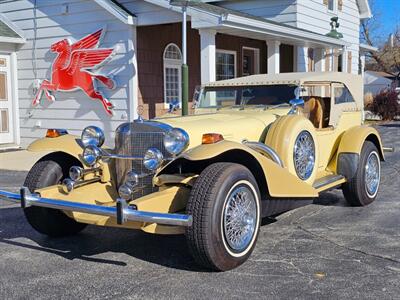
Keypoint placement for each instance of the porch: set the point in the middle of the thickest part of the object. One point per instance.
(224, 44)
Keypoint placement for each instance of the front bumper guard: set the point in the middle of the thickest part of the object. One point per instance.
(122, 211)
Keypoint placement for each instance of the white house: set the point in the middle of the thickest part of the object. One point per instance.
(225, 39)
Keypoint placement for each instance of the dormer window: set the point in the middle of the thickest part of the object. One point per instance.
(331, 5)
(334, 6)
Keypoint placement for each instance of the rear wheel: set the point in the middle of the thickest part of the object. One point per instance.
(225, 205)
(362, 189)
(48, 221)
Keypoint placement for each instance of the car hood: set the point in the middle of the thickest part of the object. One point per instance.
(234, 125)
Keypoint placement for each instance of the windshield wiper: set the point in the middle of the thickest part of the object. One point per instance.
(278, 105)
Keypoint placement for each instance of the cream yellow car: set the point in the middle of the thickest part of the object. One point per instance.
(256, 146)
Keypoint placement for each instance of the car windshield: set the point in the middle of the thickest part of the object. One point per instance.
(266, 95)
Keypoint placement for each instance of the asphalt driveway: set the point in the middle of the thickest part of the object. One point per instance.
(324, 250)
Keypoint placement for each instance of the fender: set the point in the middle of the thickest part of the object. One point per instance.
(66, 143)
(354, 138)
(278, 181)
(350, 147)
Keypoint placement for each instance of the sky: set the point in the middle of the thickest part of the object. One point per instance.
(388, 15)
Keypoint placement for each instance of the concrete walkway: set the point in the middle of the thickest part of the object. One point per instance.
(20, 160)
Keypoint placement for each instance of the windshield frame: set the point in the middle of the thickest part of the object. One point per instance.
(239, 96)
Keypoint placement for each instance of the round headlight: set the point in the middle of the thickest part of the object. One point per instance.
(304, 155)
(152, 159)
(92, 135)
(176, 141)
(75, 173)
(125, 192)
(91, 155)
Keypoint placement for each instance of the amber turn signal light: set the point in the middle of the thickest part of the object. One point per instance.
(53, 133)
(211, 138)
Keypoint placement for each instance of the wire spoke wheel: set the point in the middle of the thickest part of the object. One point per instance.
(304, 155)
(240, 218)
(372, 174)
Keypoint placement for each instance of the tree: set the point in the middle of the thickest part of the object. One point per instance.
(387, 58)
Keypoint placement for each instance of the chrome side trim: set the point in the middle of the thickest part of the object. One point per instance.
(264, 149)
(388, 149)
(123, 212)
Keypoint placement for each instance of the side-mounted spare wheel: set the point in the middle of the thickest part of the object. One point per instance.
(48, 221)
(225, 205)
(293, 137)
(362, 189)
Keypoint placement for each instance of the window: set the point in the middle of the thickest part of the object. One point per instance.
(172, 74)
(331, 5)
(342, 94)
(225, 64)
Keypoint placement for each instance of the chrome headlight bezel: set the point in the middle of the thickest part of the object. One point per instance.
(176, 141)
(153, 159)
(91, 155)
(92, 135)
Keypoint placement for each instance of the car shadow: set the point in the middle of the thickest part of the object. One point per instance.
(165, 250)
(168, 251)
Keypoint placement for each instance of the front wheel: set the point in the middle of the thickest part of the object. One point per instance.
(362, 189)
(48, 221)
(225, 205)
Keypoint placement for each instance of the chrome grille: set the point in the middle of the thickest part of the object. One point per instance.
(134, 139)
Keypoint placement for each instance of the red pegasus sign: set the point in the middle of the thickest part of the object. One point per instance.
(70, 70)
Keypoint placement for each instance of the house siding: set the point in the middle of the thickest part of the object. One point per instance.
(73, 111)
(313, 15)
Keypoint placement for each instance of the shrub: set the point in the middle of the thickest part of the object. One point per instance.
(368, 98)
(385, 105)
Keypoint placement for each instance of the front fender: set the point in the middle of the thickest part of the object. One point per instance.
(277, 180)
(66, 143)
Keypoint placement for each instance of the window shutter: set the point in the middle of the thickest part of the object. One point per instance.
(349, 61)
(327, 60)
(340, 5)
(335, 60)
(325, 2)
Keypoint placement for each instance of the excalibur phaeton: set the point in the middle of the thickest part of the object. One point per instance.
(256, 146)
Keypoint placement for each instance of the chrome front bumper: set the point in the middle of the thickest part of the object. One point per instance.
(122, 212)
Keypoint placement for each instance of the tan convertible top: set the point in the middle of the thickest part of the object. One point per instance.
(353, 82)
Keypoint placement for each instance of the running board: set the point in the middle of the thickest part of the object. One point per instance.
(328, 182)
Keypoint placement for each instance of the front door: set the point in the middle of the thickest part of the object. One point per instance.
(6, 105)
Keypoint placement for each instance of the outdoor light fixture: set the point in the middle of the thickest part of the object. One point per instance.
(334, 25)
(185, 69)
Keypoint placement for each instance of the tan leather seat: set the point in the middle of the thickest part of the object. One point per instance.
(314, 112)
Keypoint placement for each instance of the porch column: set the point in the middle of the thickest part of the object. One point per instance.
(319, 59)
(207, 55)
(302, 59)
(273, 57)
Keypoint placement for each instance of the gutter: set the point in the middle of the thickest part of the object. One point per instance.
(277, 30)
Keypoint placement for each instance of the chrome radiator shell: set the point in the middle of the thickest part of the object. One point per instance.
(133, 139)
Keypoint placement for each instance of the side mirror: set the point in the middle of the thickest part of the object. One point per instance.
(196, 96)
(294, 103)
(173, 105)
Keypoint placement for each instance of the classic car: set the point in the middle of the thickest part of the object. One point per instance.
(255, 146)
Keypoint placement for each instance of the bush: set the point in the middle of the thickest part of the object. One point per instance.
(385, 105)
